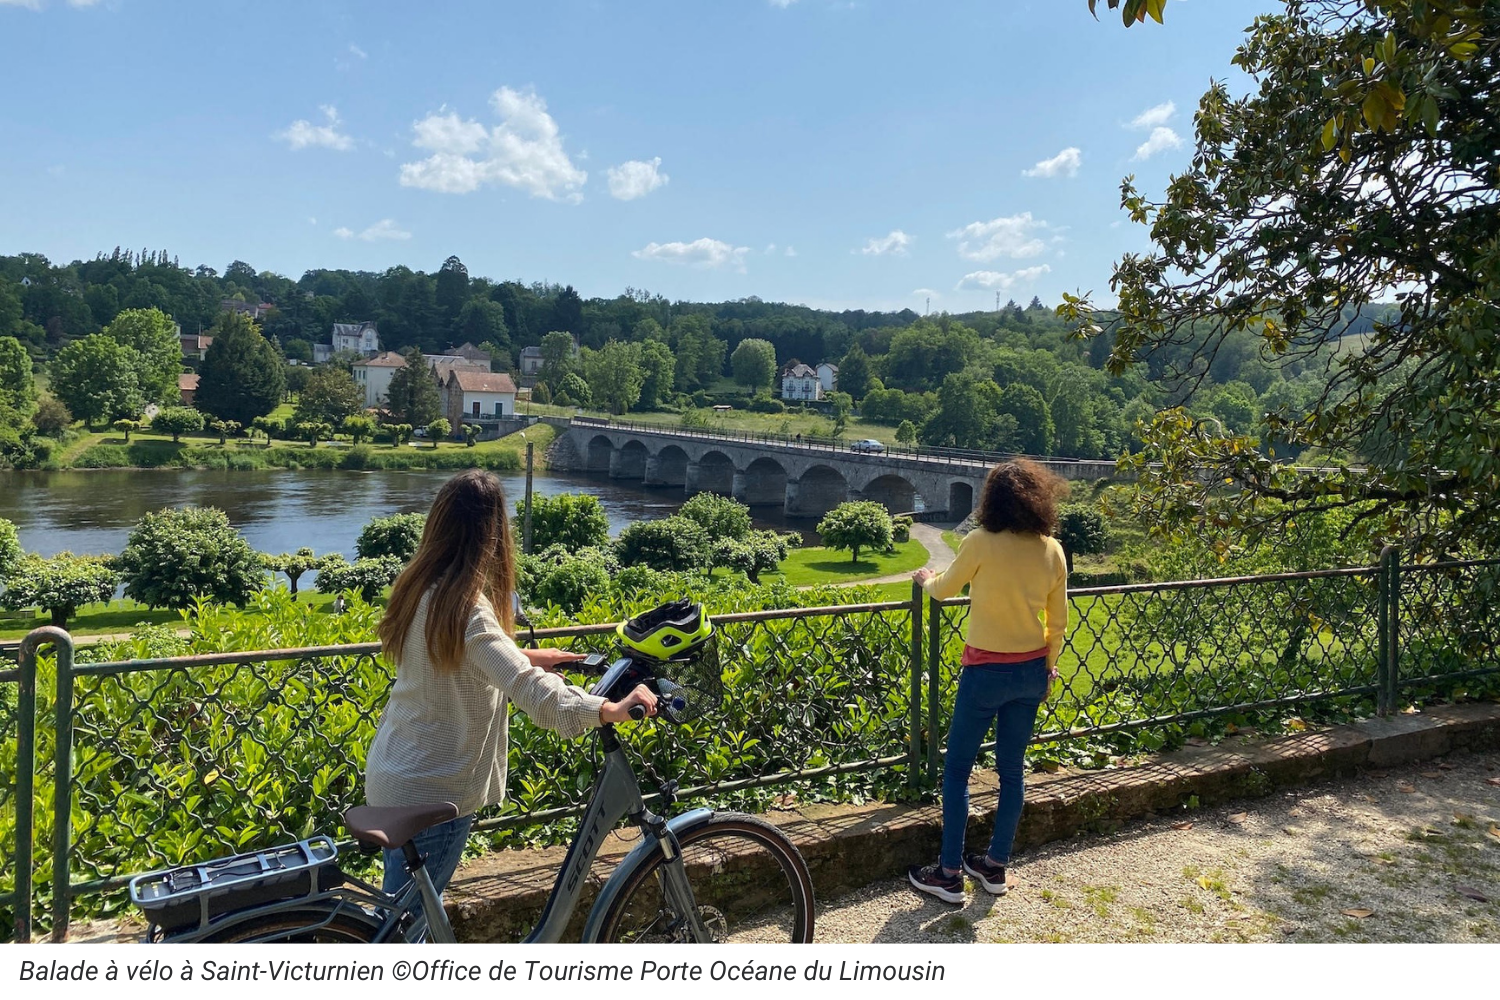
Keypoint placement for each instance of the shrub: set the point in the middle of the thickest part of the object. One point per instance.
(439, 429)
(672, 543)
(566, 578)
(1082, 531)
(471, 434)
(174, 556)
(294, 564)
(901, 528)
(369, 577)
(397, 535)
(722, 517)
(759, 552)
(574, 520)
(574, 390)
(764, 402)
(51, 417)
(177, 421)
(358, 427)
(358, 457)
(60, 585)
(10, 548)
(856, 525)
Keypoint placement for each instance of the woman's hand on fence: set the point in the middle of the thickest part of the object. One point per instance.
(619, 711)
(551, 660)
(922, 576)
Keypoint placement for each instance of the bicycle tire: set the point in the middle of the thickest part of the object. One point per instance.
(308, 925)
(749, 882)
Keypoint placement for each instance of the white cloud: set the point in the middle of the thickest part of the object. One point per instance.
(790, 251)
(783, 4)
(1007, 236)
(705, 253)
(926, 293)
(894, 243)
(993, 280)
(303, 133)
(1154, 116)
(1161, 139)
(385, 229)
(636, 178)
(524, 151)
(355, 50)
(1067, 162)
(82, 3)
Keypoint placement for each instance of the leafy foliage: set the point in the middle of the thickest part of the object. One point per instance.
(754, 363)
(176, 556)
(672, 543)
(575, 521)
(10, 548)
(413, 396)
(330, 396)
(855, 525)
(565, 577)
(96, 379)
(754, 553)
(294, 564)
(177, 421)
(242, 376)
(60, 585)
(1082, 531)
(396, 536)
(151, 334)
(720, 516)
(337, 575)
(439, 429)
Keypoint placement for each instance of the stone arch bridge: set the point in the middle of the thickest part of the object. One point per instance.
(805, 480)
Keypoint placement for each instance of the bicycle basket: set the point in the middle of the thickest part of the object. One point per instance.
(194, 895)
(697, 679)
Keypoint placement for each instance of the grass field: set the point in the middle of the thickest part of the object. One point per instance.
(117, 617)
(805, 567)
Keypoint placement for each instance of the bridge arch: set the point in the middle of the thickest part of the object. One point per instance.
(960, 499)
(600, 448)
(629, 461)
(895, 493)
(713, 473)
(817, 491)
(762, 484)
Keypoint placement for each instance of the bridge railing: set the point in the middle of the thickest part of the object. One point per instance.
(121, 766)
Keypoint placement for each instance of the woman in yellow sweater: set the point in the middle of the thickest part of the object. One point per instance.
(1018, 588)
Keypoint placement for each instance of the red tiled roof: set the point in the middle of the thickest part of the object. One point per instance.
(470, 380)
(387, 359)
(187, 382)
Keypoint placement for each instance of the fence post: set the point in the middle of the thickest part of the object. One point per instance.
(1393, 641)
(1383, 631)
(934, 692)
(26, 764)
(62, 790)
(913, 755)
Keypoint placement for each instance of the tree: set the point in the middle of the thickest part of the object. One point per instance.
(400, 434)
(337, 575)
(295, 378)
(1034, 429)
(439, 429)
(754, 363)
(483, 322)
(1134, 10)
(413, 395)
(397, 535)
(242, 376)
(152, 335)
(1082, 531)
(60, 585)
(573, 520)
(567, 312)
(312, 431)
(268, 426)
(471, 434)
(17, 387)
(659, 370)
(51, 416)
(855, 525)
(226, 429)
(359, 427)
(10, 548)
(95, 378)
(1362, 165)
(758, 552)
(330, 396)
(841, 406)
(174, 556)
(854, 373)
(700, 355)
(557, 357)
(1072, 409)
(670, 544)
(615, 376)
(573, 390)
(451, 290)
(566, 578)
(177, 421)
(720, 516)
(906, 433)
(294, 564)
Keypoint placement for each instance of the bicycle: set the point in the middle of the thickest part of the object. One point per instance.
(701, 876)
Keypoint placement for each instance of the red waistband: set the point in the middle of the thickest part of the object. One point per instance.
(974, 656)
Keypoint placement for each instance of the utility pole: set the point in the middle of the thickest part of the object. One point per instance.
(526, 516)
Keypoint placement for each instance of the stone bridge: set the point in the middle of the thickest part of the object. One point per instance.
(806, 480)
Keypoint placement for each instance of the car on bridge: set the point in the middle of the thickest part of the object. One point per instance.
(869, 446)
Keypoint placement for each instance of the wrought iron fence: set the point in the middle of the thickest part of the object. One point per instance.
(147, 763)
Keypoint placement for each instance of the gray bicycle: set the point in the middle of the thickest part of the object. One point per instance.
(701, 876)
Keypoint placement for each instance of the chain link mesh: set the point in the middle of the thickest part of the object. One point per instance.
(1450, 617)
(10, 729)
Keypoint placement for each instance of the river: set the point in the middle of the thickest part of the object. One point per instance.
(277, 510)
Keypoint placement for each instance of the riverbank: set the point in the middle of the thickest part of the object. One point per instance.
(147, 451)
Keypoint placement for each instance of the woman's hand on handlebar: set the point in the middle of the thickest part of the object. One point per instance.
(619, 711)
(551, 660)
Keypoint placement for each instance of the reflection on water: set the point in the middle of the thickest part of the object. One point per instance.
(279, 511)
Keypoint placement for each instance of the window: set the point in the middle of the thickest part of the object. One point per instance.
(499, 409)
(476, 407)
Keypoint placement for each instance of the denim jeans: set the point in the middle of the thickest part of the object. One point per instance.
(1005, 696)
(441, 845)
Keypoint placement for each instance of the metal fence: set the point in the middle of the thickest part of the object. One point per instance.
(122, 767)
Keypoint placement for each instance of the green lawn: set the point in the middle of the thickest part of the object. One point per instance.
(120, 616)
(806, 567)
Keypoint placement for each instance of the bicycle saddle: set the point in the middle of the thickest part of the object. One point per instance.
(392, 826)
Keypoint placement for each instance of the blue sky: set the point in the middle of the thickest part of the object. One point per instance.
(869, 154)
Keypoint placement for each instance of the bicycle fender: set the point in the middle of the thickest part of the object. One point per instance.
(639, 855)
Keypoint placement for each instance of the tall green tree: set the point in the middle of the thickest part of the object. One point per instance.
(60, 585)
(855, 525)
(659, 369)
(413, 396)
(1035, 432)
(854, 373)
(176, 555)
(1363, 163)
(567, 312)
(330, 395)
(615, 376)
(754, 363)
(96, 379)
(481, 322)
(557, 357)
(451, 290)
(17, 387)
(152, 335)
(242, 376)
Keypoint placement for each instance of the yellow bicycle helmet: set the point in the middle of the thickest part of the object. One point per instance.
(672, 631)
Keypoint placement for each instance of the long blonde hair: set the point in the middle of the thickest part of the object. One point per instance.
(466, 552)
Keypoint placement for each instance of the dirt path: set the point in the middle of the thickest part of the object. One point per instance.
(939, 556)
(1412, 854)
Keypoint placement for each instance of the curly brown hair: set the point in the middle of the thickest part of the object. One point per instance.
(1021, 496)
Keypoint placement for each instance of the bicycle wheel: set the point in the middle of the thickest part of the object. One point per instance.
(749, 883)
(310, 925)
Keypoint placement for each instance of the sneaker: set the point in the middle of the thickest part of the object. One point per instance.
(932, 880)
(992, 877)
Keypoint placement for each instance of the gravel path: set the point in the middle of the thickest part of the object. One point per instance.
(939, 556)
(1409, 854)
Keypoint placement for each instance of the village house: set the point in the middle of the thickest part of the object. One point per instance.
(356, 338)
(828, 376)
(800, 382)
(531, 361)
(373, 375)
(187, 387)
(254, 311)
(194, 346)
(471, 396)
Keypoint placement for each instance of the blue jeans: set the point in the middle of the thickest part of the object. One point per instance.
(441, 845)
(1005, 696)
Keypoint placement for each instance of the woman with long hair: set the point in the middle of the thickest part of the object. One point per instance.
(1018, 613)
(447, 628)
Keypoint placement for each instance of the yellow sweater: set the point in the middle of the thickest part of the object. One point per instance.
(1018, 589)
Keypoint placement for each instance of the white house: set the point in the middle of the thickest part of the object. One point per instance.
(477, 397)
(373, 375)
(531, 361)
(358, 338)
(828, 376)
(800, 383)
